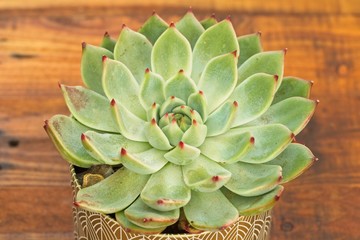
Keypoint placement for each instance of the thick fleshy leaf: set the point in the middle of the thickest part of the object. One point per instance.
(252, 179)
(133, 228)
(254, 97)
(131, 126)
(227, 148)
(153, 112)
(180, 86)
(151, 89)
(195, 135)
(190, 27)
(106, 147)
(65, 133)
(166, 189)
(292, 87)
(182, 154)
(144, 216)
(153, 27)
(108, 43)
(156, 137)
(198, 102)
(271, 62)
(298, 113)
(249, 45)
(208, 22)
(112, 194)
(89, 108)
(146, 162)
(221, 119)
(165, 120)
(92, 67)
(254, 205)
(171, 52)
(119, 84)
(169, 104)
(210, 211)
(134, 50)
(205, 175)
(184, 224)
(270, 141)
(219, 80)
(294, 160)
(216, 40)
(173, 132)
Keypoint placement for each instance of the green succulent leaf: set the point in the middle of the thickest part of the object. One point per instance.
(190, 27)
(180, 86)
(144, 216)
(210, 211)
(156, 137)
(131, 126)
(151, 89)
(198, 102)
(65, 133)
(294, 160)
(292, 87)
(190, 113)
(147, 162)
(89, 108)
(166, 190)
(195, 135)
(133, 228)
(254, 97)
(169, 104)
(119, 84)
(208, 22)
(249, 45)
(91, 66)
(221, 119)
(216, 40)
(252, 179)
(173, 132)
(134, 50)
(254, 205)
(298, 113)
(270, 141)
(205, 175)
(227, 148)
(171, 53)
(182, 154)
(112, 194)
(218, 80)
(271, 62)
(153, 28)
(108, 43)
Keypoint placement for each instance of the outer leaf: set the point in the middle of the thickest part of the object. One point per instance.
(221, 119)
(254, 205)
(198, 102)
(208, 22)
(205, 175)
(119, 84)
(223, 40)
(173, 132)
(249, 45)
(156, 137)
(91, 66)
(171, 53)
(294, 160)
(133, 228)
(227, 148)
(153, 27)
(254, 96)
(294, 113)
(89, 108)
(65, 133)
(190, 27)
(270, 141)
(292, 87)
(182, 154)
(252, 179)
(112, 194)
(210, 211)
(146, 162)
(264, 62)
(152, 90)
(180, 86)
(166, 189)
(142, 215)
(108, 43)
(134, 50)
(195, 135)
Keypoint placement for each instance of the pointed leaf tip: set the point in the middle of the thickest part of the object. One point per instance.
(153, 121)
(83, 137)
(104, 58)
(172, 25)
(317, 101)
(181, 71)
(83, 45)
(234, 53)
(285, 50)
(252, 140)
(292, 135)
(123, 26)
(213, 16)
(228, 18)
(236, 104)
(154, 12)
(123, 151)
(181, 144)
(311, 83)
(106, 34)
(190, 9)
(76, 204)
(215, 178)
(277, 197)
(172, 97)
(59, 85)
(201, 92)
(194, 122)
(276, 77)
(280, 178)
(113, 102)
(259, 33)
(147, 70)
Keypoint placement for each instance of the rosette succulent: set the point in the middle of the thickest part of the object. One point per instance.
(197, 123)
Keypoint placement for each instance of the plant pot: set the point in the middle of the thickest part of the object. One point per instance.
(96, 226)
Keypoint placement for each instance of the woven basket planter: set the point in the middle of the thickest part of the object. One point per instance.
(96, 226)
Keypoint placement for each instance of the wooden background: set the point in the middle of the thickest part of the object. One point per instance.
(40, 45)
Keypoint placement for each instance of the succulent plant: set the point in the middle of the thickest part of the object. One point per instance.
(200, 124)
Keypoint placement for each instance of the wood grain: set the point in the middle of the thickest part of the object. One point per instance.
(40, 45)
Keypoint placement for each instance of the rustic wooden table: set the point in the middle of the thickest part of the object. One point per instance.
(40, 46)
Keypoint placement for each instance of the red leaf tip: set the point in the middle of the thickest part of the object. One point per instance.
(315, 159)
(234, 53)
(201, 92)
(154, 12)
(280, 178)
(285, 50)
(160, 201)
(172, 97)
(277, 197)
(292, 135)
(104, 58)
(153, 121)
(181, 144)
(147, 70)
(173, 121)
(213, 16)
(172, 25)
(113, 102)
(166, 115)
(106, 34)
(276, 77)
(59, 85)
(252, 140)
(153, 105)
(317, 101)
(259, 33)
(123, 26)
(215, 178)
(83, 137)
(182, 106)
(236, 104)
(123, 151)
(181, 71)
(311, 83)
(76, 204)
(228, 18)
(190, 9)
(194, 122)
